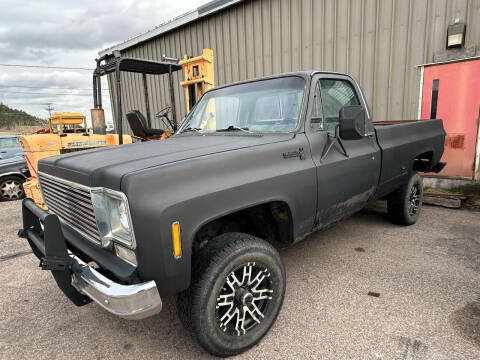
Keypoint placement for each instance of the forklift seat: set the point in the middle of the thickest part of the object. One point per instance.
(139, 126)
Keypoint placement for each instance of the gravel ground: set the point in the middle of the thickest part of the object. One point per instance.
(425, 277)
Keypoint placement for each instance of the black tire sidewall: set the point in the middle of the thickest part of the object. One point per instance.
(209, 333)
(415, 180)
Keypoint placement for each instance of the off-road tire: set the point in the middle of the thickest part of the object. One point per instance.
(405, 204)
(11, 183)
(200, 307)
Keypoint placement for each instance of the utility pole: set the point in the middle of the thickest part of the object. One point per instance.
(49, 108)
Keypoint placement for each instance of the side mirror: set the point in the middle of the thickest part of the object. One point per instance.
(352, 122)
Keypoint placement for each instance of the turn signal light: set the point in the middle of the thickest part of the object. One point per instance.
(176, 240)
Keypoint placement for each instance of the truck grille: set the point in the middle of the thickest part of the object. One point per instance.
(72, 203)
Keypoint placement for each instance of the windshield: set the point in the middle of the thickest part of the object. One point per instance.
(258, 106)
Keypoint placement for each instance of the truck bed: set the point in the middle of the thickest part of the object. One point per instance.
(405, 141)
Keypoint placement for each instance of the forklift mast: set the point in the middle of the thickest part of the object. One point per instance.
(199, 77)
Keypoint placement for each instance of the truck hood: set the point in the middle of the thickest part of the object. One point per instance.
(107, 165)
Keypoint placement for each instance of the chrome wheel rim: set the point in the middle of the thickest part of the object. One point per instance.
(414, 200)
(11, 190)
(244, 298)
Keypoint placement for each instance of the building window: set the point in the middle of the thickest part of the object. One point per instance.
(433, 105)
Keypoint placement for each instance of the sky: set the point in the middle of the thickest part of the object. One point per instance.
(68, 33)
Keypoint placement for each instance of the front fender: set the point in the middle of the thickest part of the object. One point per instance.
(199, 190)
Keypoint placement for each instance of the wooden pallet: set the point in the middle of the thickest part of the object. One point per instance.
(452, 201)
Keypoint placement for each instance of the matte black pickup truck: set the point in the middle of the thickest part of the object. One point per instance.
(262, 161)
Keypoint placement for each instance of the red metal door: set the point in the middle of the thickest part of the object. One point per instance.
(458, 104)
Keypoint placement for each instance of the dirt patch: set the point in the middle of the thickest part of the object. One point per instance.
(466, 321)
(410, 349)
(127, 346)
(465, 248)
(462, 242)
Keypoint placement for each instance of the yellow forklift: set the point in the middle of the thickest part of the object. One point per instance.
(65, 134)
(69, 132)
(199, 77)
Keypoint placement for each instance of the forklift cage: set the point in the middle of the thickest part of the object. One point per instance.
(128, 64)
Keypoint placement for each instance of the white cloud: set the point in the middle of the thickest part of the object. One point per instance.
(68, 33)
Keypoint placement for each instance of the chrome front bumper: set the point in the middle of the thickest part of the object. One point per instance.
(79, 281)
(134, 302)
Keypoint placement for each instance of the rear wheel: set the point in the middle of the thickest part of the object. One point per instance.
(237, 291)
(11, 188)
(405, 204)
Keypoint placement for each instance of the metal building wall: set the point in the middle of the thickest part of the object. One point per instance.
(380, 42)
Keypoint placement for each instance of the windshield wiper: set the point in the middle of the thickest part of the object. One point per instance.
(235, 128)
(198, 130)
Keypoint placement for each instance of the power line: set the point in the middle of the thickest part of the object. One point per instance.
(62, 105)
(58, 103)
(11, 114)
(47, 67)
(37, 93)
(47, 87)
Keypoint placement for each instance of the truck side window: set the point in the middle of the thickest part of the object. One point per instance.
(336, 93)
(316, 122)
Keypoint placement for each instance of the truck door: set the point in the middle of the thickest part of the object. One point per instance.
(347, 170)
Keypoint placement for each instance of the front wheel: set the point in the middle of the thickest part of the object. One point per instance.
(236, 293)
(404, 205)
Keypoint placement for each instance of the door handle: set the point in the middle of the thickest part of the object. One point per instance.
(300, 154)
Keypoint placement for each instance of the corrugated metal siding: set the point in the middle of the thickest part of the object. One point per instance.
(378, 41)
